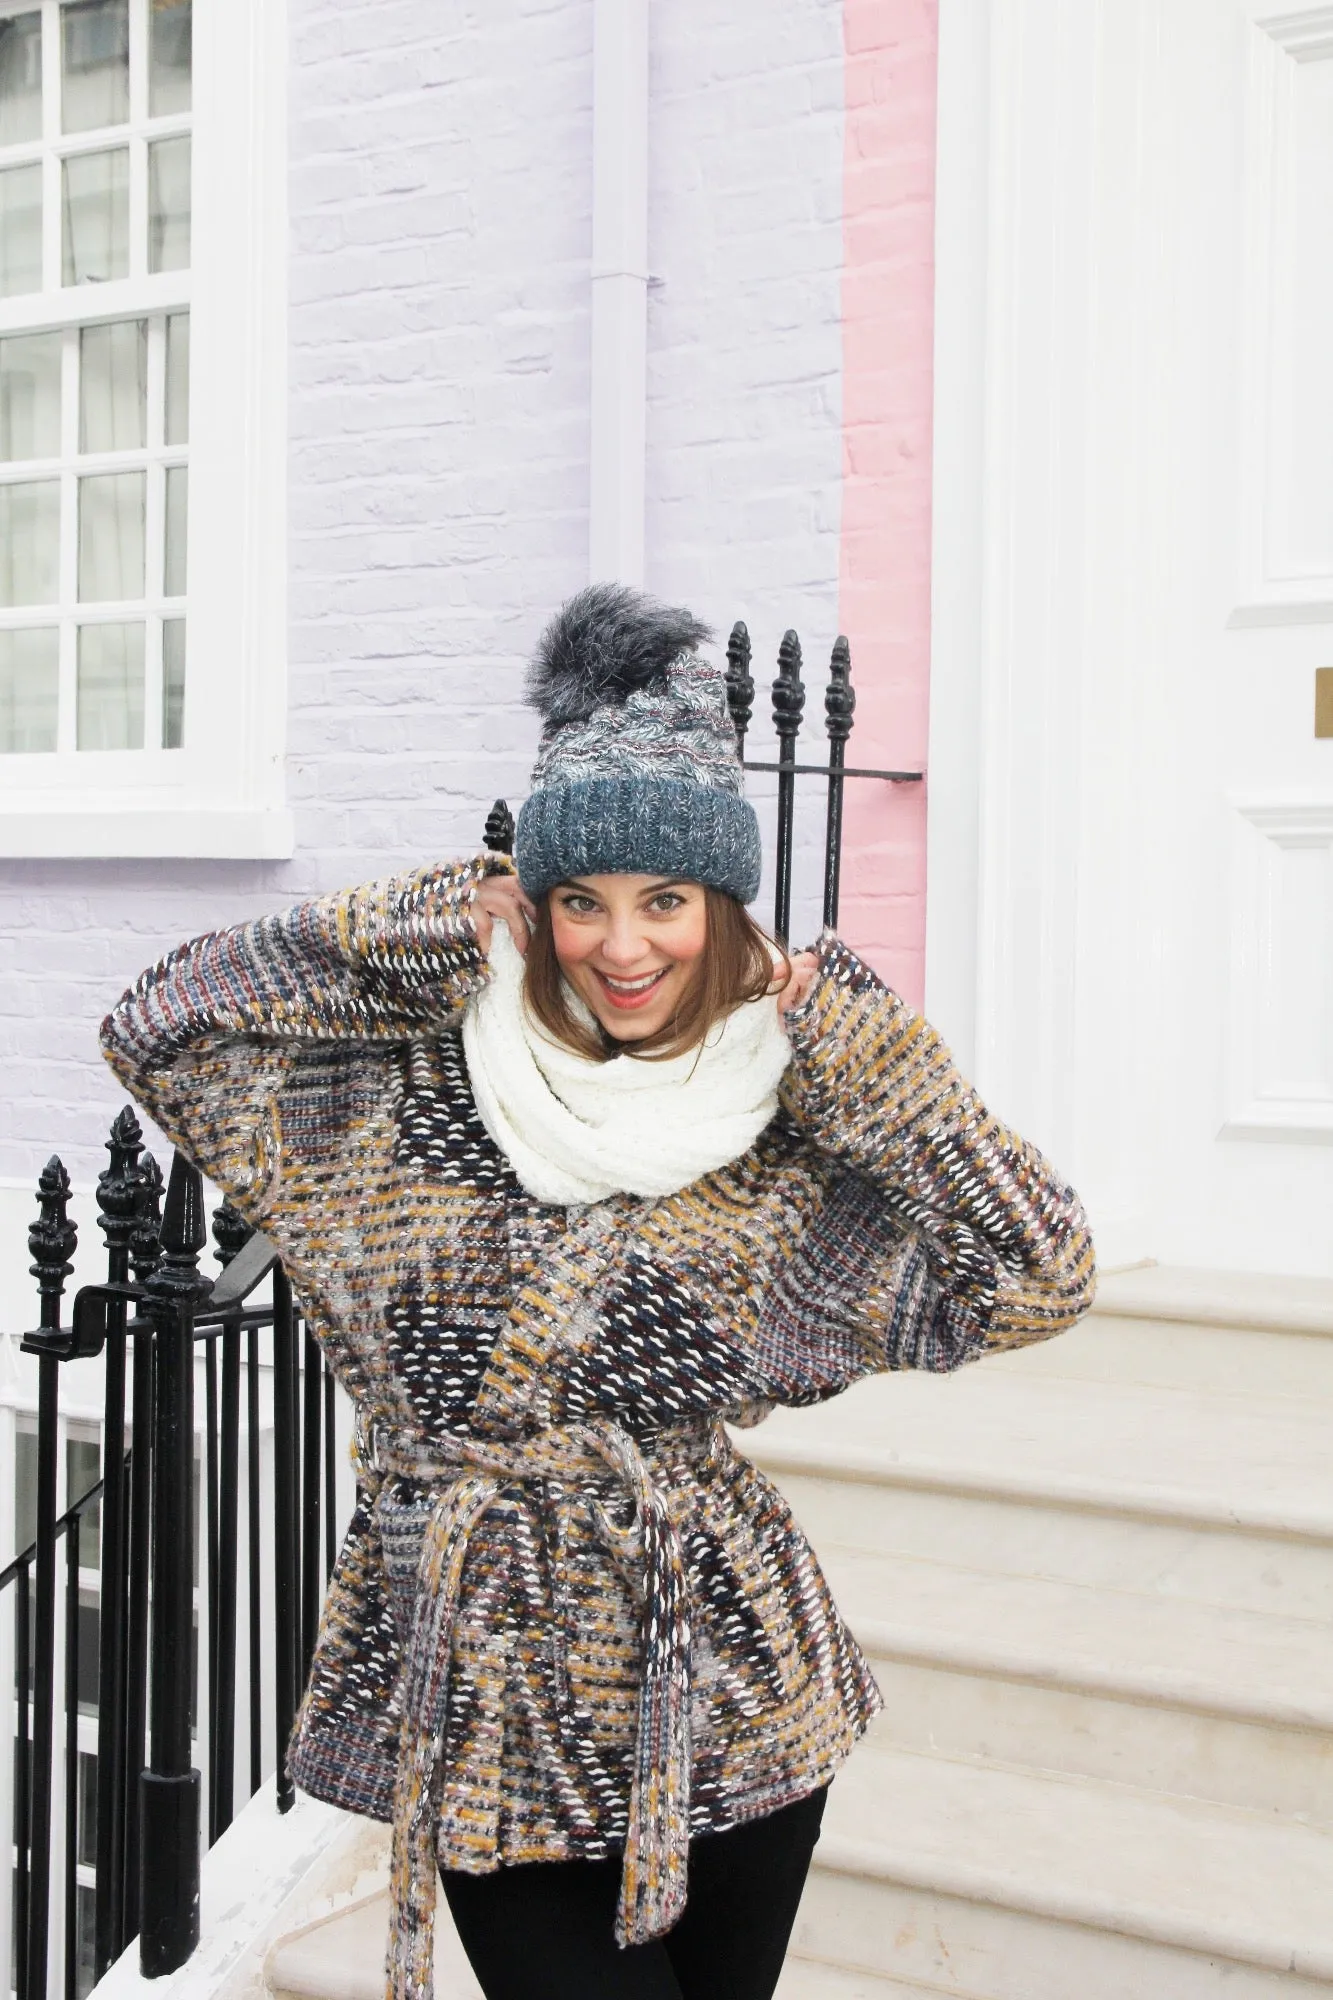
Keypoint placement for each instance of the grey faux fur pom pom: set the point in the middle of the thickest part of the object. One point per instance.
(602, 645)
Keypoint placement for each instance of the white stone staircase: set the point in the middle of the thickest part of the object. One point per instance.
(1096, 1582)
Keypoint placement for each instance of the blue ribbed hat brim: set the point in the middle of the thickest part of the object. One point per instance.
(638, 826)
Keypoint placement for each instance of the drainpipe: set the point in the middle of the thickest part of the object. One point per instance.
(619, 290)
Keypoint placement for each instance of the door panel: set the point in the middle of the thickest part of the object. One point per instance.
(1153, 908)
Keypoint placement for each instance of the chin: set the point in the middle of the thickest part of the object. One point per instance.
(629, 1031)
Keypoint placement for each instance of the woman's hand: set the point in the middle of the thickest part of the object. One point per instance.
(500, 898)
(804, 965)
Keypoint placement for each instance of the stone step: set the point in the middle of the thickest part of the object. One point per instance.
(940, 1876)
(1247, 1299)
(814, 1979)
(1158, 1692)
(992, 1882)
(1123, 1487)
(341, 1956)
(1110, 1346)
(1163, 1454)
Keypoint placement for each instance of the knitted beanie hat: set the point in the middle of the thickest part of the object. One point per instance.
(638, 771)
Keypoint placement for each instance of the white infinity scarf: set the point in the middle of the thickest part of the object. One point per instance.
(578, 1131)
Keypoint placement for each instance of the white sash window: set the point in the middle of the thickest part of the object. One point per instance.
(142, 427)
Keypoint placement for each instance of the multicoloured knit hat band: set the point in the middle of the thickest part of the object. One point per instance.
(639, 826)
(638, 771)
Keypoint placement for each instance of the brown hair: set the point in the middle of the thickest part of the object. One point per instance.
(736, 965)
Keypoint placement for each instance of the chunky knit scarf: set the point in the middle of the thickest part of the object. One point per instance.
(579, 1131)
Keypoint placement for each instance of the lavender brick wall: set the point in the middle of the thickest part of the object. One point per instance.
(440, 199)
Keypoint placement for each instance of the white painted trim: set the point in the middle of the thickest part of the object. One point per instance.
(1284, 821)
(255, 1881)
(238, 833)
(619, 286)
(956, 616)
(223, 795)
(1272, 591)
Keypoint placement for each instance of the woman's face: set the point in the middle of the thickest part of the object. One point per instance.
(630, 946)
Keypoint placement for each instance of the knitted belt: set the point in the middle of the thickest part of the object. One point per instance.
(467, 1475)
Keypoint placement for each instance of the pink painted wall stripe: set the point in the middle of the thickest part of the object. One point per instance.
(884, 574)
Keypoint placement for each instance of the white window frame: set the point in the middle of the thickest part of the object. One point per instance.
(223, 794)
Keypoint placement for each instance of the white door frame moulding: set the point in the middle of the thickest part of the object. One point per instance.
(958, 457)
(619, 310)
(1009, 517)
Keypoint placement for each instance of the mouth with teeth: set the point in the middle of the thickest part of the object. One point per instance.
(626, 994)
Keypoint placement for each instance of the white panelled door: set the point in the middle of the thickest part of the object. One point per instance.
(1141, 516)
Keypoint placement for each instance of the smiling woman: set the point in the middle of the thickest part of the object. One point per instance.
(577, 1647)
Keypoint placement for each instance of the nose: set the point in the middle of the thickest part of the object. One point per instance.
(624, 943)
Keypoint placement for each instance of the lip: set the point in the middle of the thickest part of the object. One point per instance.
(628, 1003)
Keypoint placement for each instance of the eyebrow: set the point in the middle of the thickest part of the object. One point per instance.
(667, 882)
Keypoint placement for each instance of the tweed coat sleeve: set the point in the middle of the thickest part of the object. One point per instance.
(984, 1245)
(206, 1038)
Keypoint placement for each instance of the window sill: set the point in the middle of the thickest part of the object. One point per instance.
(216, 833)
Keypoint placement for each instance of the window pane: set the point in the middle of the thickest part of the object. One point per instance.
(111, 529)
(25, 1490)
(87, 1847)
(177, 426)
(20, 78)
(113, 385)
(95, 65)
(29, 691)
(20, 230)
(97, 217)
(169, 205)
(30, 396)
(83, 1469)
(86, 1949)
(30, 542)
(169, 57)
(90, 1630)
(177, 478)
(173, 683)
(110, 687)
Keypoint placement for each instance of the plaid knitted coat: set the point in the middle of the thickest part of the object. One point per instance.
(569, 1617)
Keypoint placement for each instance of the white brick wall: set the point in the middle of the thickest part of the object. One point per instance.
(440, 203)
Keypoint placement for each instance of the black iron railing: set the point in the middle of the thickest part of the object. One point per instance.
(158, 1322)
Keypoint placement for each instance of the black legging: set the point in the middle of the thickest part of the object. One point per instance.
(544, 1930)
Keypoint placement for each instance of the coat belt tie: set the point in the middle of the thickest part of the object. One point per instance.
(468, 1475)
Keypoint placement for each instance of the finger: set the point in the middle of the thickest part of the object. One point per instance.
(518, 930)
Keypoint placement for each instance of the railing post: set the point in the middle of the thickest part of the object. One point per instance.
(788, 707)
(230, 1232)
(839, 706)
(170, 1788)
(119, 1195)
(145, 1249)
(51, 1243)
(286, 1543)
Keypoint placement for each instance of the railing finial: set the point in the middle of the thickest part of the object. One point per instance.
(740, 683)
(788, 689)
(499, 831)
(146, 1241)
(53, 1239)
(231, 1232)
(184, 1234)
(840, 695)
(118, 1185)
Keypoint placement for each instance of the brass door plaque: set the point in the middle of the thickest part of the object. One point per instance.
(1323, 701)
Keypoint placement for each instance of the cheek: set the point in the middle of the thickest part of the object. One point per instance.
(689, 937)
(572, 942)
